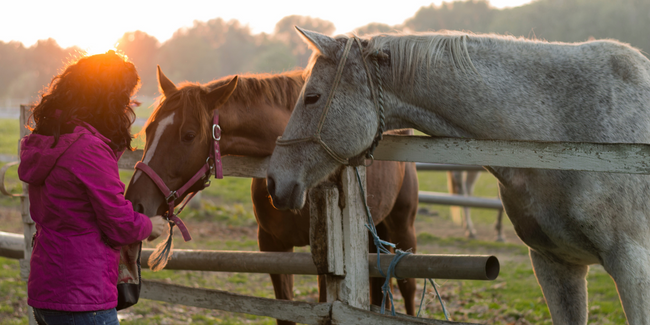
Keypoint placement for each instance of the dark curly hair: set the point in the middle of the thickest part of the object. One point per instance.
(95, 89)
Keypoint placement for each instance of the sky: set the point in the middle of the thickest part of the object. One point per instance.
(95, 26)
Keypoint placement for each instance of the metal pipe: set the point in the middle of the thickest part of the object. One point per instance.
(12, 245)
(445, 167)
(460, 200)
(462, 267)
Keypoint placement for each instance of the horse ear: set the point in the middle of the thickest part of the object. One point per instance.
(219, 96)
(327, 46)
(166, 86)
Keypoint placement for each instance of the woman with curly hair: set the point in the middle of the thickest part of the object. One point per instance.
(82, 126)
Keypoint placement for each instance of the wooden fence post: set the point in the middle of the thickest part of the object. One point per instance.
(339, 240)
(28, 224)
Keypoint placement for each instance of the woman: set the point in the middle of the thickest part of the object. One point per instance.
(82, 126)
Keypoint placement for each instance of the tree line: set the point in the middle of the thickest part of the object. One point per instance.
(212, 49)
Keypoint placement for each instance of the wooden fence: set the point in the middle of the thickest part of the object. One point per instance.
(340, 252)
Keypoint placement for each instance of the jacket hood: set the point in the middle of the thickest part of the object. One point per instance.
(38, 158)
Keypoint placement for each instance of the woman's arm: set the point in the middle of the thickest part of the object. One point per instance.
(96, 168)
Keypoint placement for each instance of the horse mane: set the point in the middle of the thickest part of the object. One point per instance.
(280, 89)
(409, 52)
(276, 89)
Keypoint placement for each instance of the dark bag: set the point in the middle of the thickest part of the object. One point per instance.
(128, 293)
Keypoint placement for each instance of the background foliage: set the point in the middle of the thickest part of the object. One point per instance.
(216, 48)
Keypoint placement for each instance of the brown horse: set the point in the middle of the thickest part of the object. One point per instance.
(251, 120)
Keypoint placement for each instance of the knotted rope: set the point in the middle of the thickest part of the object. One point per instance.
(399, 254)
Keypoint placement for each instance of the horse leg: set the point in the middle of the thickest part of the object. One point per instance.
(455, 186)
(376, 294)
(468, 190)
(406, 240)
(564, 286)
(629, 266)
(499, 226)
(400, 223)
(282, 283)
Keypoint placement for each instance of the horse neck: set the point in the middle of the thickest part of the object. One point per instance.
(499, 100)
(251, 130)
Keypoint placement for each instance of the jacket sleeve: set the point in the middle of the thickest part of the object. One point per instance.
(96, 168)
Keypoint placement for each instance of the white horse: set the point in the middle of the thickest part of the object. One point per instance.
(496, 87)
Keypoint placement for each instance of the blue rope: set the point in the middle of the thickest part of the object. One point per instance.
(424, 290)
(381, 248)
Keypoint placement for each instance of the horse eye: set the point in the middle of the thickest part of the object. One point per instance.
(189, 137)
(311, 98)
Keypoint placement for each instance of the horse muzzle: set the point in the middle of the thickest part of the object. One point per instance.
(286, 195)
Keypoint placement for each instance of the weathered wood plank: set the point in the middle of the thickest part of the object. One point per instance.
(614, 158)
(234, 166)
(582, 156)
(325, 230)
(344, 314)
(301, 312)
(354, 288)
(129, 159)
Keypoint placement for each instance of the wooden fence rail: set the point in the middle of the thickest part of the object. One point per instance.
(348, 273)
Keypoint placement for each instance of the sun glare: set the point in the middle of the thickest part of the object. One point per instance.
(98, 48)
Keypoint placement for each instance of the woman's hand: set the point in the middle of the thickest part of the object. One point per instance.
(158, 226)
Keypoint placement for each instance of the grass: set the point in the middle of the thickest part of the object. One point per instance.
(514, 297)
(226, 222)
(9, 134)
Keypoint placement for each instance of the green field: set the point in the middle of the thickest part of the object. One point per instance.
(226, 221)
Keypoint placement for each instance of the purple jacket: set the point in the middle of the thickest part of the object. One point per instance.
(82, 219)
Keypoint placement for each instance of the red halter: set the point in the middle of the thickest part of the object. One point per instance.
(203, 173)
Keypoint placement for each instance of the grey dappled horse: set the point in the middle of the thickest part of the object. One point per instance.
(497, 87)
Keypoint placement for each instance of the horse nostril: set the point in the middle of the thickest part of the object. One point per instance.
(270, 185)
(138, 208)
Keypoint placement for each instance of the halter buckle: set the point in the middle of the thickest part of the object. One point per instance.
(171, 197)
(216, 127)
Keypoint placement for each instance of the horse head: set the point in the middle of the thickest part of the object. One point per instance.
(334, 119)
(178, 141)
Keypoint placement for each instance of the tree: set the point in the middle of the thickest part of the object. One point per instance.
(374, 28)
(142, 50)
(13, 65)
(286, 33)
(471, 15)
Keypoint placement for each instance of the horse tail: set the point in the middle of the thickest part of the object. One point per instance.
(162, 254)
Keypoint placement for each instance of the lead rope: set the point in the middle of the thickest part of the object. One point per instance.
(162, 254)
(399, 254)
(379, 243)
